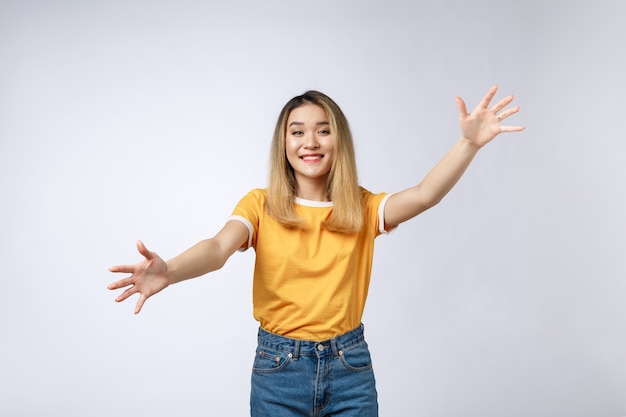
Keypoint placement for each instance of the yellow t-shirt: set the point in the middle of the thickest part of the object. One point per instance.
(310, 283)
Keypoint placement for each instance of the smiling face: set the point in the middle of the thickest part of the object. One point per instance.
(309, 146)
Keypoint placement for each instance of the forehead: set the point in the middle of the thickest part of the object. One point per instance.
(307, 113)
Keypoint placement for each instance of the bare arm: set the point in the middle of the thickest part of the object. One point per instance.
(478, 129)
(153, 274)
(208, 255)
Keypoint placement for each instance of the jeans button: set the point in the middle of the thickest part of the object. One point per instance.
(320, 347)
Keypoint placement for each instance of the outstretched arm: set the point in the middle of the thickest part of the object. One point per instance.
(153, 274)
(478, 128)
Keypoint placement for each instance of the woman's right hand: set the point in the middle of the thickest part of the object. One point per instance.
(148, 277)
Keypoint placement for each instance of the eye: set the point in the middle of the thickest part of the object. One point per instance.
(324, 132)
(297, 133)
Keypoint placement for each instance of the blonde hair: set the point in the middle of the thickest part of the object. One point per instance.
(343, 188)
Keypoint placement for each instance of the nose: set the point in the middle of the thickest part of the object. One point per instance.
(310, 141)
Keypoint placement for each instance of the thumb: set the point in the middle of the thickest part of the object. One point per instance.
(144, 251)
(462, 108)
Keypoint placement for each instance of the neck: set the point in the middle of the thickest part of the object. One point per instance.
(313, 197)
(312, 190)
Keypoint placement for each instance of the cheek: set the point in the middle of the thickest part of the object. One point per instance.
(291, 152)
(290, 148)
(329, 144)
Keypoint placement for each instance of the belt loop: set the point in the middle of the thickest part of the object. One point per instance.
(333, 346)
(296, 350)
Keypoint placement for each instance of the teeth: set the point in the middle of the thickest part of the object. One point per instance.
(311, 158)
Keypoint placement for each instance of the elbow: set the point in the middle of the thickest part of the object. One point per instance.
(220, 262)
(220, 255)
(425, 198)
(434, 202)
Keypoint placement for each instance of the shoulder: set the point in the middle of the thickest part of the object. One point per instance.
(252, 202)
(256, 194)
(370, 198)
(259, 192)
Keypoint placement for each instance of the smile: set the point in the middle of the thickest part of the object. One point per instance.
(311, 158)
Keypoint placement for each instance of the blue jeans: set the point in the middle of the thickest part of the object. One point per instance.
(292, 377)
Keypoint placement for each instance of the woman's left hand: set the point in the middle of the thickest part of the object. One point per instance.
(484, 123)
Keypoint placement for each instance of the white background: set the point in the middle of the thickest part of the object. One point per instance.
(127, 120)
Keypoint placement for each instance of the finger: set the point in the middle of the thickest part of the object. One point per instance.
(502, 104)
(503, 115)
(123, 268)
(506, 113)
(512, 128)
(121, 283)
(132, 290)
(139, 306)
(488, 97)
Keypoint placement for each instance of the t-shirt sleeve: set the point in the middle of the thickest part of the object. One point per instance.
(381, 216)
(375, 210)
(248, 211)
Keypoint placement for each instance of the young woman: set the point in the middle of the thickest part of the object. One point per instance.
(313, 232)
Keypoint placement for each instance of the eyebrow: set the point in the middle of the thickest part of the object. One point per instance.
(301, 124)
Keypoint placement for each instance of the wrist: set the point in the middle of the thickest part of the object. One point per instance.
(170, 274)
(468, 145)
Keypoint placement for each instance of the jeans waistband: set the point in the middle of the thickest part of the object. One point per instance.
(299, 347)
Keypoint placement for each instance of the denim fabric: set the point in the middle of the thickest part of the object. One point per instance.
(293, 377)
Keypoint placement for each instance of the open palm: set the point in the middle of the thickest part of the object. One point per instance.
(148, 277)
(484, 123)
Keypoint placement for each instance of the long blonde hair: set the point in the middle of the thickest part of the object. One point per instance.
(343, 188)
